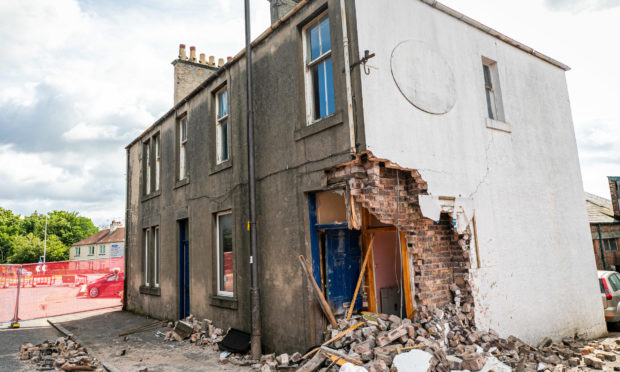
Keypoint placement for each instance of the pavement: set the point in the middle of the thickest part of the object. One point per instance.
(98, 332)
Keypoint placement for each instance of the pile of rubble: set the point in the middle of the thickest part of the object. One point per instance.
(200, 332)
(448, 339)
(65, 354)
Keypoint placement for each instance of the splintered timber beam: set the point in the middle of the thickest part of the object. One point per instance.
(335, 338)
(317, 292)
(361, 277)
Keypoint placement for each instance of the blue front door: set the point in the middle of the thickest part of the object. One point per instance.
(342, 260)
(183, 269)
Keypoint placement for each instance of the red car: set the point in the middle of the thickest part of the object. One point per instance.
(109, 285)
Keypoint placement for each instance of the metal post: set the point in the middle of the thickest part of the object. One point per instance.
(254, 289)
(600, 245)
(45, 241)
(15, 322)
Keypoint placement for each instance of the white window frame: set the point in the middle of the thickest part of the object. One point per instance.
(147, 234)
(156, 143)
(101, 249)
(219, 119)
(492, 90)
(156, 257)
(611, 245)
(147, 165)
(308, 65)
(77, 251)
(183, 122)
(91, 250)
(221, 292)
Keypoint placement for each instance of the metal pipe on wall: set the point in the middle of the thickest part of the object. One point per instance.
(254, 288)
(347, 75)
(600, 245)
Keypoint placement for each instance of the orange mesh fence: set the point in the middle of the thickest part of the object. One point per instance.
(58, 288)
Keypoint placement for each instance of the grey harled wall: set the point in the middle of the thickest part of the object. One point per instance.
(289, 163)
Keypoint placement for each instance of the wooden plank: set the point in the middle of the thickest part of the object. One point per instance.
(159, 322)
(359, 280)
(317, 292)
(335, 338)
(372, 298)
(406, 277)
(473, 221)
(340, 354)
(336, 360)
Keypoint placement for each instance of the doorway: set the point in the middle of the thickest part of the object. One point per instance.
(183, 268)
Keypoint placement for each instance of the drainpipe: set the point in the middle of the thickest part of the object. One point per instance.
(254, 288)
(347, 76)
(600, 245)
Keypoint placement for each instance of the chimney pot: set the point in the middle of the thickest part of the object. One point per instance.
(202, 59)
(192, 54)
(182, 54)
(228, 58)
(211, 61)
(220, 62)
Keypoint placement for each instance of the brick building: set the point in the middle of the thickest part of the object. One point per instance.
(604, 216)
(443, 171)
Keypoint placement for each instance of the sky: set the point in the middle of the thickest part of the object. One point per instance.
(80, 79)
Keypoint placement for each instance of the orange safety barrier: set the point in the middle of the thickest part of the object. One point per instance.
(59, 288)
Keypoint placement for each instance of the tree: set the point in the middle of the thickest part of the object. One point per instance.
(10, 226)
(29, 249)
(67, 226)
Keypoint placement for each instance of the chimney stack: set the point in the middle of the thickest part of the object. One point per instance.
(189, 73)
(279, 8)
(220, 62)
(614, 190)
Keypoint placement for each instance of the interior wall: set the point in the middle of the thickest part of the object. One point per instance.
(386, 263)
(331, 207)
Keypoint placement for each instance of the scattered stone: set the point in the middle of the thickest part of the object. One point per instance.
(184, 329)
(593, 362)
(473, 363)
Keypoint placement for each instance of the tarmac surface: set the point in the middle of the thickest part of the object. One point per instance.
(98, 332)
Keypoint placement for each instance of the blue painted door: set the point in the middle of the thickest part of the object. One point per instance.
(342, 256)
(183, 269)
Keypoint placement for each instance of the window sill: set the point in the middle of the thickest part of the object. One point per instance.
(151, 195)
(221, 166)
(150, 290)
(224, 302)
(319, 126)
(498, 125)
(181, 183)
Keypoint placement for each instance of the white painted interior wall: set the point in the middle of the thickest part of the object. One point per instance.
(537, 276)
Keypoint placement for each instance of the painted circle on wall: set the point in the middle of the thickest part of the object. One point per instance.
(423, 77)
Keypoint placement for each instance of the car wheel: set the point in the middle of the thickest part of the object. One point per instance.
(93, 292)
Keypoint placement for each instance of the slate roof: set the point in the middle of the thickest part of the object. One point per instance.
(104, 236)
(599, 209)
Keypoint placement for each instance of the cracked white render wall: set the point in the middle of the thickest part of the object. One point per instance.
(537, 276)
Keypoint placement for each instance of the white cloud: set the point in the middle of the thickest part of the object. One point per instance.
(84, 132)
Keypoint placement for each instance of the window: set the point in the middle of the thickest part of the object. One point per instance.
(102, 249)
(157, 161)
(147, 232)
(91, 250)
(77, 251)
(615, 282)
(319, 76)
(147, 167)
(156, 257)
(221, 131)
(611, 245)
(182, 135)
(491, 90)
(224, 254)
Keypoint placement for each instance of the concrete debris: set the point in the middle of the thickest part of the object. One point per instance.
(63, 353)
(413, 361)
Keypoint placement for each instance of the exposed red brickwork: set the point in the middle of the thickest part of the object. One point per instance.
(611, 258)
(438, 255)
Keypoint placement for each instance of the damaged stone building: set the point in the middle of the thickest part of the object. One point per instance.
(435, 146)
(604, 216)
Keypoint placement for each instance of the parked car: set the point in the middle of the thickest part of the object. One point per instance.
(110, 285)
(610, 292)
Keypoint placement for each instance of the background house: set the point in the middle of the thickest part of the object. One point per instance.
(107, 243)
(604, 219)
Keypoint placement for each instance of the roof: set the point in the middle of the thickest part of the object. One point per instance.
(599, 209)
(274, 26)
(104, 236)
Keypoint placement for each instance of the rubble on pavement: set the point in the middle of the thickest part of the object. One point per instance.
(63, 354)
